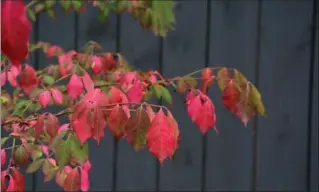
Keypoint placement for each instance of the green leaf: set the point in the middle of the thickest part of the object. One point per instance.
(148, 95)
(34, 166)
(31, 14)
(3, 140)
(58, 139)
(4, 99)
(66, 4)
(186, 83)
(51, 13)
(48, 170)
(166, 95)
(163, 17)
(39, 7)
(78, 152)
(48, 79)
(63, 154)
(77, 4)
(36, 153)
(158, 90)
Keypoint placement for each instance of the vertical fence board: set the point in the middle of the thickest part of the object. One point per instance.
(59, 31)
(315, 133)
(184, 52)
(233, 44)
(101, 156)
(284, 71)
(136, 170)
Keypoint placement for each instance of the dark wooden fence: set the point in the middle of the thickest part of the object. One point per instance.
(274, 43)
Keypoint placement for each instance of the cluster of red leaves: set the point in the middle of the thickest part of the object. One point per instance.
(101, 92)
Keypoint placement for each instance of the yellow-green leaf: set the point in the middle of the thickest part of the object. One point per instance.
(256, 99)
(222, 77)
(31, 14)
(166, 95)
(3, 140)
(34, 166)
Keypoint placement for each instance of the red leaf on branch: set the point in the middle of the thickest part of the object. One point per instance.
(108, 62)
(52, 125)
(74, 87)
(18, 178)
(57, 95)
(44, 98)
(87, 81)
(161, 137)
(82, 128)
(66, 62)
(38, 128)
(3, 157)
(117, 96)
(207, 78)
(28, 79)
(53, 50)
(201, 111)
(72, 181)
(231, 96)
(117, 121)
(12, 75)
(136, 93)
(15, 31)
(96, 65)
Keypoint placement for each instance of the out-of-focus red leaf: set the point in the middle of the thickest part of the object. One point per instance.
(44, 98)
(74, 87)
(72, 181)
(66, 62)
(52, 125)
(85, 183)
(15, 31)
(87, 81)
(3, 157)
(63, 127)
(53, 50)
(38, 128)
(18, 178)
(28, 79)
(57, 95)
(13, 186)
(3, 180)
(136, 93)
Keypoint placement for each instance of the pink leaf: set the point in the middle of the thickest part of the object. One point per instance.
(44, 98)
(74, 87)
(3, 157)
(57, 95)
(84, 180)
(96, 65)
(87, 81)
(87, 166)
(136, 93)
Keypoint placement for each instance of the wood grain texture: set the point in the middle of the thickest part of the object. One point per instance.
(136, 170)
(284, 71)
(315, 115)
(101, 156)
(59, 31)
(184, 52)
(233, 36)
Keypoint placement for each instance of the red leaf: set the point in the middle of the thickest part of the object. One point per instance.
(207, 117)
(85, 184)
(108, 61)
(44, 98)
(66, 62)
(96, 65)
(12, 75)
(3, 180)
(74, 87)
(53, 50)
(136, 93)
(72, 181)
(45, 149)
(63, 127)
(52, 125)
(194, 107)
(18, 178)
(82, 130)
(3, 78)
(231, 96)
(12, 184)
(57, 95)
(87, 81)
(117, 121)
(117, 96)
(28, 79)
(15, 31)
(99, 124)
(161, 139)
(38, 128)
(150, 112)
(87, 166)
(207, 78)
(3, 157)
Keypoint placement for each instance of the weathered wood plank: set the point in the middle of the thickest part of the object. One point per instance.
(233, 39)
(101, 157)
(59, 31)
(184, 52)
(315, 115)
(284, 71)
(136, 170)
